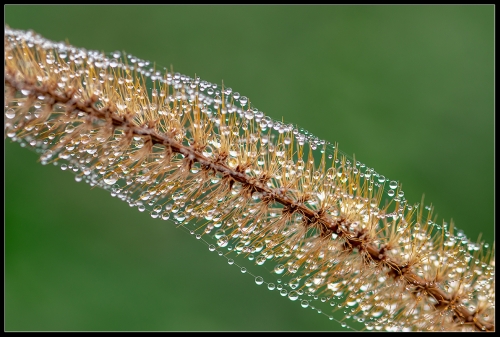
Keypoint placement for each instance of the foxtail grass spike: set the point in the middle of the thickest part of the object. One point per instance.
(259, 190)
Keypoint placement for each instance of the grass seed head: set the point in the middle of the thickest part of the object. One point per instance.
(202, 156)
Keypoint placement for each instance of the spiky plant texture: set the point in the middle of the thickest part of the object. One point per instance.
(201, 155)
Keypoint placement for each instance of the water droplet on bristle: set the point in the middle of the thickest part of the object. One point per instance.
(111, 179)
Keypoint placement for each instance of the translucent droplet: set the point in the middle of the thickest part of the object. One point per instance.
(49, 59)
(393, 184)
(293, 295)
(85, 139)
(223, 241)
(390, 193)
(70, 128)
(111, 179)
(260, 260)
(271, 286)
(10, 113)
(243, 270)
(165, 216)
(283, 292)
(180, 217)
(304, 303)
(259, 280)
(230, 261)
(279, 269)
(211, 248)
(249, 115)
(293, 283)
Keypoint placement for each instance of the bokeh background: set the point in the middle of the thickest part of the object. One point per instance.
(407, 89)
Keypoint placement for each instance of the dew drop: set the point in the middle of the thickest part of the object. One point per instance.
(279, 269)
(260, 260)
(271, 286)
(259, 280)
(211, 248)
(393, 184)
(293, 295)
(304, 303)
(70, 128)
(223, 241)
(249, 115)
(180, 217)
(111, 179)
(85, 139)
(294, 283)
(10, 113)
(49, 59)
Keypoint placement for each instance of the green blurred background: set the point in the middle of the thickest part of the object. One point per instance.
(408, 89)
